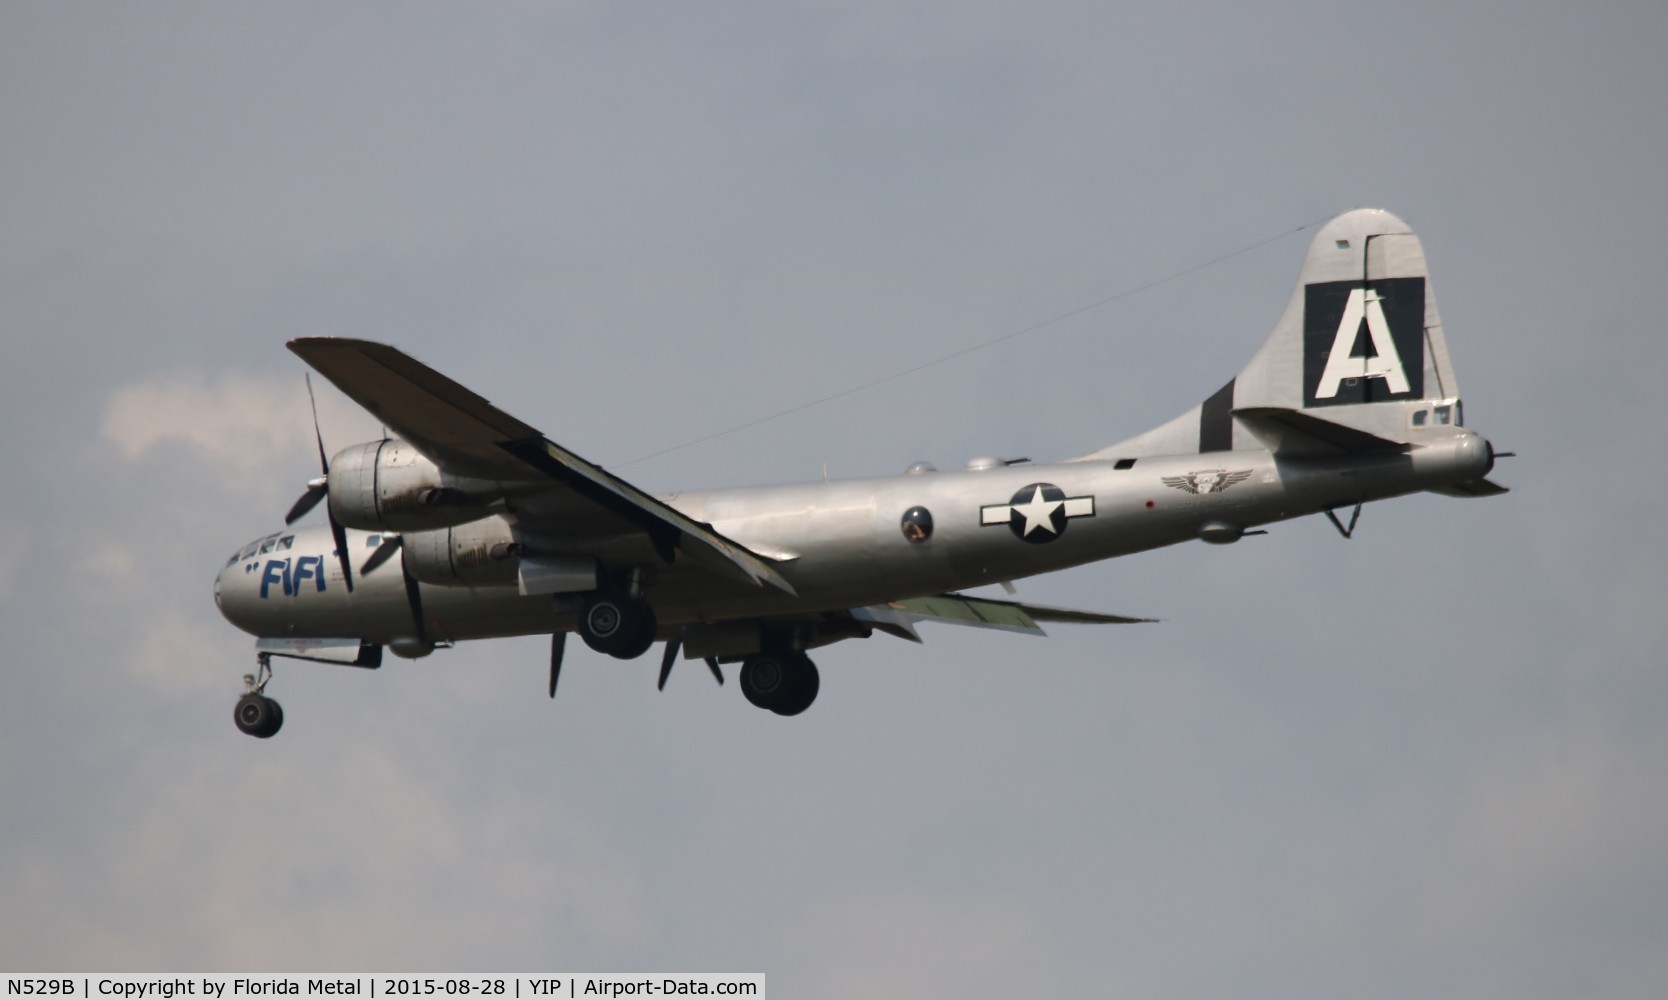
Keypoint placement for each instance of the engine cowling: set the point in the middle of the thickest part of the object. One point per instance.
(487, 553)
(390, 486)
(479, 554)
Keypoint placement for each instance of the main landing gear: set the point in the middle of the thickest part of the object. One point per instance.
(256, 714)
(784, 682)
(617, 621)
(618, 624)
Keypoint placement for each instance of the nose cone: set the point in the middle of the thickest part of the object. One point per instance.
(237, 591)
(230, 595)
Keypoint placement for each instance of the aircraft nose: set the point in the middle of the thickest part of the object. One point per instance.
(225, 596)
(232, 593)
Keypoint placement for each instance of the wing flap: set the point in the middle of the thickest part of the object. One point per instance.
(982, 612)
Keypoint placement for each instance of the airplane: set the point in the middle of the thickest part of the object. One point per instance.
(467, 523)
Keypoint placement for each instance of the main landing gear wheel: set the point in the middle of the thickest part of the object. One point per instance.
(784, 683)
(617, 625)
(256, 714)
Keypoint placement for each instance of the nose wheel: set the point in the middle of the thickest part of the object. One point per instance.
(255, 713)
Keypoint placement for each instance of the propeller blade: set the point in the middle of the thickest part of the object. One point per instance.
(339, 534)
(666, 661)
(413, 598)
(317, 490)
(324, 463)
(712, 665)
(391, 544)
(557, 643)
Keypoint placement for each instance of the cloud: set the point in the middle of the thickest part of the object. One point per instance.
(369, 861)
(234, 422)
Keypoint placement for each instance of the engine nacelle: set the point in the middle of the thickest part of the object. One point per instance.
(479, 554)
(487, 553)
(391, 486)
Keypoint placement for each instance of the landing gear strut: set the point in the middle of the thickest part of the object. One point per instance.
(256, 714)
(783, 682)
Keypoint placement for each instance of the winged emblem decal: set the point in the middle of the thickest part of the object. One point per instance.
(1209, 481)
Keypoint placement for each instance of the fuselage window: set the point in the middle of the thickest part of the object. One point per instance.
(233, 560)
(1444, 414)
(1419, 417)
(373, 541)
(250, 550)
(917, 524)
(1124, 463)
(266, 546)
(285, 542)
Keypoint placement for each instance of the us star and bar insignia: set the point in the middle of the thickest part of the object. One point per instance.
(1038, 512)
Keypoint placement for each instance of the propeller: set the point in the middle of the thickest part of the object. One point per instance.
(317, 489)
(558, 642)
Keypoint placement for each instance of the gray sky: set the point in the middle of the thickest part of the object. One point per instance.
(1424, 762)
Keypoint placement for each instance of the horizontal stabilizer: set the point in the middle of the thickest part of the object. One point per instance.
(979, 612)
(1291, 433)
(1472, 488)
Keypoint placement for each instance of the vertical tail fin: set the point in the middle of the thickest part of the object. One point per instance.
(1359, 348)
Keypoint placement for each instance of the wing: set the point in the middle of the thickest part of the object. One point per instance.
(898, 617)
(466, 435)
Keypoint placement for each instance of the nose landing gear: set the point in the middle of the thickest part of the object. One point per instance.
(256, 714)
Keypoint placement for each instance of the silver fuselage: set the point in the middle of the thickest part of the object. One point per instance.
(842, 545)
